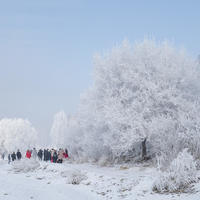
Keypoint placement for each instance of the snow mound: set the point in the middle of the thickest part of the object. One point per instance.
(50, 168)
(1, 162)
(181, 173)
(25, 165)
(73, 176)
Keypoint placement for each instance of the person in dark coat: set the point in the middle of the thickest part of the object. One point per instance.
(13, 156)
(19, 155)
(66, 151)
(45, 155)
(9, 158)
(3, 156)
(55, 157)
(48, 155)
(40, 154)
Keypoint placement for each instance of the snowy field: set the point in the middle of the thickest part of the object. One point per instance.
(40, 181)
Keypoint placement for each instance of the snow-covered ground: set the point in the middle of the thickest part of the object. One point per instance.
(54, 181)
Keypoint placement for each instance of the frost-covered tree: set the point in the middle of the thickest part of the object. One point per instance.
(16, 134)
(63, 131)
(58, 129)
(146, 93)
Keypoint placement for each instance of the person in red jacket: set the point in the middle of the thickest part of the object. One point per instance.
(28, 154)
(65, 154)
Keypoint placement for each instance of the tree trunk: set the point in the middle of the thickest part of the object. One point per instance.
(144, 149)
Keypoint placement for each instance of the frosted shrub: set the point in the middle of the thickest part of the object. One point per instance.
(103, 161)
(25, 165)
(73, 176)
(181, 172)
(198, 164)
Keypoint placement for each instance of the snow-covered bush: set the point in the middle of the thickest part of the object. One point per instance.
(73, 176)
(180, 174)
(25, 165)
(103, 161)
(2, 162)
(17, 134)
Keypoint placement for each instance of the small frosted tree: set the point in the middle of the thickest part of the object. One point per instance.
(66, 133)
(149, 92)
(58, 130)
(16, 134)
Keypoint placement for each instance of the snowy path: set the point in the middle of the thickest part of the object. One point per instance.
(15, 187)
(102, 183)
(32, 186)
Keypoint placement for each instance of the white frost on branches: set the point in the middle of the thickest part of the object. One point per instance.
(63, 131)
(180, 174)
(147, 91)
(58, 129)
(16, 134)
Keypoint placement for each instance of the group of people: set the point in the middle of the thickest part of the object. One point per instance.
(53, 155)
(49, 155)
(13, 156)
(45, 155)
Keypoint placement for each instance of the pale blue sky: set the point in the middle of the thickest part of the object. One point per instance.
(46, 46)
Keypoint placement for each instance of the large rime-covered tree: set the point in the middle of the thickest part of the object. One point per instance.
(16, 134)
(146, 93)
